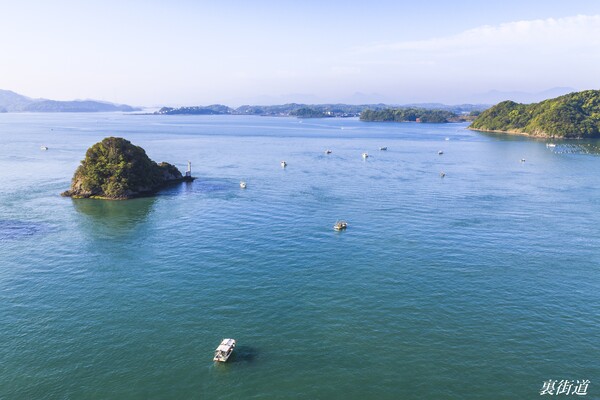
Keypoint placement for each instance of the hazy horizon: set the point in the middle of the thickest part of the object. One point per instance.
(151, 54)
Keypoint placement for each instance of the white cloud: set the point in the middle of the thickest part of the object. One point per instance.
(523, 55)
(580, 31)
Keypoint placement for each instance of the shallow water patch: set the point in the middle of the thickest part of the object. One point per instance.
(11, 229)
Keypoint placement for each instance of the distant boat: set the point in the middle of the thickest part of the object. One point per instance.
(550, 145)
(44, 148)
(440, 152)
(365, 155)
(340, 225)
(243, 185)
(447, 138)
(224, 350)
(522, 160)
(383, 148)
(442, 174)
(283, 164)
(327, 151)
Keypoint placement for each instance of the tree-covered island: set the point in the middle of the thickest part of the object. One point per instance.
(572, 116)
(116, 169)
(411, 115)
(309, 112)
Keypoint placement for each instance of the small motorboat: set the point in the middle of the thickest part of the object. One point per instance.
(447, 138)
(224, 350)
(440, 152)
(327, 151)
(283, 164)
(383, 148)
(522, 160)
(551, 145)
(442, 174)
(43, 148)
(340, 225)
(365, 155)
(243, 185)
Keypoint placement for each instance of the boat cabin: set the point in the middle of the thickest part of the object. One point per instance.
(224, 350)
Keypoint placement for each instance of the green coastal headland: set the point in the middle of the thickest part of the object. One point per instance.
(572, 116)
(116, 169)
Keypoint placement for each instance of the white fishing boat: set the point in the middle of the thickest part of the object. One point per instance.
(43, 148)
(551, 145)
(383, 148)
(365, 155)
(522, 160)
(224, 350)
(440, 152)
(340, 225)
(447, 139)
(283, 164)
(327, 151)
(243, 185)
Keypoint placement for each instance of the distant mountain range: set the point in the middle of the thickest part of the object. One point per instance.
(14, 102)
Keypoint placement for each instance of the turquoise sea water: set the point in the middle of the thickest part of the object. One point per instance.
(479, 285)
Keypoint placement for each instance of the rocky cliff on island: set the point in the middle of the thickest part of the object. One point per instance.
(116, 169)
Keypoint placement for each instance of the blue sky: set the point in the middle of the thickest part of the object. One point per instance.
(234, 52)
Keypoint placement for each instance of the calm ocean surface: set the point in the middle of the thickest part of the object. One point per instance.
(479, 285)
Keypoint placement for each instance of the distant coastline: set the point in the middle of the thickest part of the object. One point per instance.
(11, 102)
(453, 113)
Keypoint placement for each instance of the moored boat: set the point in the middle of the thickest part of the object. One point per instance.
(224, 350)
(340, 225)
(243, 185)
(283, 164)
(365, 155)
